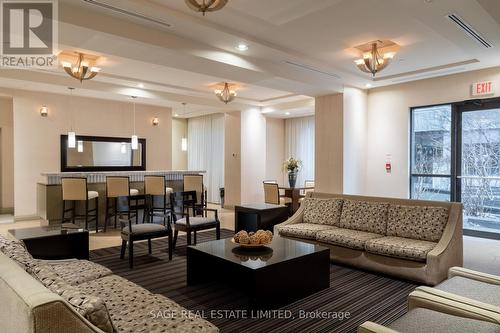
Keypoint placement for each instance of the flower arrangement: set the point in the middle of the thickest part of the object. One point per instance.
(292, 165)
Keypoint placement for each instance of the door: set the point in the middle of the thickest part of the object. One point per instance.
(478, 166)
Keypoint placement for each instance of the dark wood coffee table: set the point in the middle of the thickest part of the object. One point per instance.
(54, 243)
(281, 273)
(252, 217)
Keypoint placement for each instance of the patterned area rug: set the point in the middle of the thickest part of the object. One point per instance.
(354, 296)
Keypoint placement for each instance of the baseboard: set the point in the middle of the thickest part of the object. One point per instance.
(20, 218)
(8, 210)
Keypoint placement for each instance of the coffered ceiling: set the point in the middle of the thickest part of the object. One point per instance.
(165, 53)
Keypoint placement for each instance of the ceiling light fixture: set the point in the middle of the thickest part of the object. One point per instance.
(374, 60)
(184, 140)
(225, 95)
(287, 113)
(71, 132)
(368, 85)
(82, 70)
(242, 47)
(203, 6)
(140, 85)
(134, 139)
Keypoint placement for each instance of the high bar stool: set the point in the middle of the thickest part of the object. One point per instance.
(119, 187)
(75, 189)
(155, 186)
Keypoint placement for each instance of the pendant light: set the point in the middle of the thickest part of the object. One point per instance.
(80, 146)
(135, 139)
(71, 132)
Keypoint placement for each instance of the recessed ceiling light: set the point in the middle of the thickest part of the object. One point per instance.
(368, 85)
(140, 85)
(242, 47)
(176, 115)
(287, 113)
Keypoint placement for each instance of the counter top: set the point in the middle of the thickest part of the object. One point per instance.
(52, 178)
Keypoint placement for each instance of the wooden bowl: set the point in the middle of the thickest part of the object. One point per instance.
(250, 246)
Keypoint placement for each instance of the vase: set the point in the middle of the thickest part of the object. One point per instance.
(292, 178)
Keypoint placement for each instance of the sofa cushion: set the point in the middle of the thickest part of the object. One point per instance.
(303, 230)
(322, 211)
(418, 222)
(405, 248)
(135, 309)
(16, 251)
(364, 216)
(75, 272)
(89, 306)
(353, 239)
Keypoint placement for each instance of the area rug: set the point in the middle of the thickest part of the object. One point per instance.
(354, 296)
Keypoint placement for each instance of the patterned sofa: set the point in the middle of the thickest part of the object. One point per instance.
(411, 239)
(80, 296)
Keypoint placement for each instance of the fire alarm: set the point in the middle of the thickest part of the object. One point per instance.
(388, 163)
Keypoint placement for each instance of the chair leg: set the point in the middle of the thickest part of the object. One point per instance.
(86, 215)
(188, 233)
(149, 246)
(217, 231)
(96, 215)
(122, 250)
(116, 210)
(170, 245)
(175, 239)
(63, 209)
(131, 254)
(106, 215)
(194, 232)
(73, 213)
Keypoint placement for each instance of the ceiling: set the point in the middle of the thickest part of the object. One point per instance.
(167, 54)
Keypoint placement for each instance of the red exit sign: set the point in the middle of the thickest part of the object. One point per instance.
(482, 88)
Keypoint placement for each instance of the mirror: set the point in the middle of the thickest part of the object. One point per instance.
(94, 153)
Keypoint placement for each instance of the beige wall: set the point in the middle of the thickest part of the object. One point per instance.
(7, 156)
(275, 149)
(232, 160)
(388, 124)
(179, 131)
(329, 143)
(36, 139)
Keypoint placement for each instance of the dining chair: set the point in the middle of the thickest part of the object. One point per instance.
(184, 216)
(195, 183)
(272, 194)
(155, 188)
(74, 189)
(119, 187)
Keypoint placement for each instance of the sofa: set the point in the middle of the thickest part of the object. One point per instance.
(468, 301)
(81, 296)
(410, 239)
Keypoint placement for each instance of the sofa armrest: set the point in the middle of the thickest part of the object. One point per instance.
(294, 219)
(371, 327)
(474, 275)
(449, 250)
(438, 300)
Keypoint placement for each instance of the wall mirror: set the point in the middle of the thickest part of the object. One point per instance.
(97, 153)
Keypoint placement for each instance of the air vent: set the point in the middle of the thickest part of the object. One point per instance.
(469, 30)
(128, 12)
(312, 69)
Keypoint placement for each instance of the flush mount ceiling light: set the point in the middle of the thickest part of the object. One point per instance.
(204, 6)
(242, 47)
(376, 56)
(225, 95)
(82, 68)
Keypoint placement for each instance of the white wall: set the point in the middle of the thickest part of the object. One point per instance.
(253, 155)
(179, 131)
(388, 124)
(37, 139)
(355, 125)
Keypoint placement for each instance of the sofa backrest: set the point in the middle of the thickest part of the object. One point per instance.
(27, 306)
(430, 218)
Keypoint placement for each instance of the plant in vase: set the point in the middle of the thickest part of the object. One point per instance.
(292, 166)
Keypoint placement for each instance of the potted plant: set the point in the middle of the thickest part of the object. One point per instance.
(292, 166)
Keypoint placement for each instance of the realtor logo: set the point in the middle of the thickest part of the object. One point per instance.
(29, 33)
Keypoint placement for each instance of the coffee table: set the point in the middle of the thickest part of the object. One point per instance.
(278, 274)
(54, 243)
(252, 217)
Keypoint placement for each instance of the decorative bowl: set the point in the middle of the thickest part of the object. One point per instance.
(250, 246)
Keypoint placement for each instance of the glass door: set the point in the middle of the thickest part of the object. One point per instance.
(478, 166)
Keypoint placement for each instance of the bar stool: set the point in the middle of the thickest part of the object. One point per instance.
(154, 186)
(75, 189)
(119, 187)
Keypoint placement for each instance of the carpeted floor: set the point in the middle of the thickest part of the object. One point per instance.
(356, 295)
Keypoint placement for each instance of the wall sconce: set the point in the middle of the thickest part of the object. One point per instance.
(156, 121)
(184, 144)
(44, 111)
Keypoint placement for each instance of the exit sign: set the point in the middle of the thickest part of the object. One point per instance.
(482, 88)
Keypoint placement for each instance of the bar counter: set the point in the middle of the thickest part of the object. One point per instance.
(49, 192)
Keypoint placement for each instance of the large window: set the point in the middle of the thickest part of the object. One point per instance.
(455, 155)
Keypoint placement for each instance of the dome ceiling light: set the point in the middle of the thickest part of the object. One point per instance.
(203, 6)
